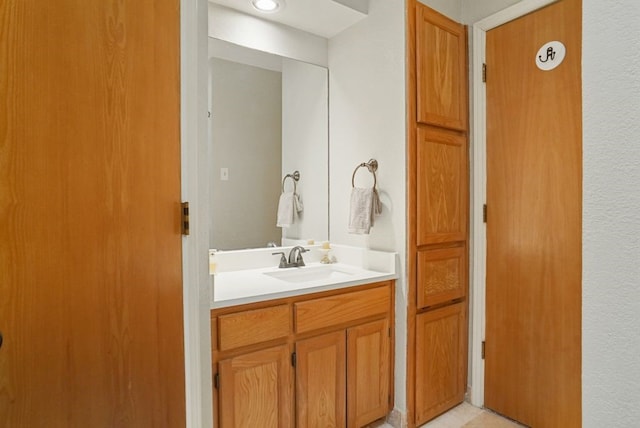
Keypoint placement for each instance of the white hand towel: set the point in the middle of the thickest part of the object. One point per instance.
(288, 205)
(365, 205)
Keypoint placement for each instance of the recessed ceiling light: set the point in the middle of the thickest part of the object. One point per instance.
(268, 6)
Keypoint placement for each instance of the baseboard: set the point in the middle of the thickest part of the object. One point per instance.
(397, 419)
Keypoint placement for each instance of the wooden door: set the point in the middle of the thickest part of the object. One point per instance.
(90, 244)
(321, 381)
(368, 372)
(256, 389)
(440, 360)
(534, 186)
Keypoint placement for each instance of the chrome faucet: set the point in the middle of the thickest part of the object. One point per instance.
(295, 257)
(297, 252)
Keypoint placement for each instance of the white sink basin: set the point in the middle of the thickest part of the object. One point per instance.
(308, 274)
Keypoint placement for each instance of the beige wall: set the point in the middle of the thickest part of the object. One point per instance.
(246, 139)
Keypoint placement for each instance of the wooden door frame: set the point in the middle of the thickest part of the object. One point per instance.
(196, 283)
(478, 244)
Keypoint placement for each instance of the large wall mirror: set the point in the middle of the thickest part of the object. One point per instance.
(269, 118)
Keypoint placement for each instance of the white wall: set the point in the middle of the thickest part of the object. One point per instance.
(611, 213)
(450, 8)
(249, 31)
(305, 145)
(367, 120)
(474, 10)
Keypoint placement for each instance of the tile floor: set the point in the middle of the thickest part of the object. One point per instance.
(467, 416)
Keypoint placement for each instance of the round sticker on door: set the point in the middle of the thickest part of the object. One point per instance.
(550, 55)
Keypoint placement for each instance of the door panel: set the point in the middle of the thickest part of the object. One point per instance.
(442, 275)
(442, 189)
(441, 66)
(534, 185)
(441, 360)
(321, 382)
(368, 372)
(256, 390)
(90, 246)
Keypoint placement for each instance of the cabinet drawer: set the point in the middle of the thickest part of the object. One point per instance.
(441, 275)
(341, 308)
(255, 326)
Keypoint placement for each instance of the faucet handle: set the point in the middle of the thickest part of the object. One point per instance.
(283, 259)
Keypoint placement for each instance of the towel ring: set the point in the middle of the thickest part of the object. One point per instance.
(372, 166)
(295, 177)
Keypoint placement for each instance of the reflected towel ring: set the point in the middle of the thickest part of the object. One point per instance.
(295, 177)
(372, 166)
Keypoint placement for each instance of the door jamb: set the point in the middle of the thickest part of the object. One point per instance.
(195, 189)
(478, 266)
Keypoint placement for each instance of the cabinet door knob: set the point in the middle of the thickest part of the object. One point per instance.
(0, 339)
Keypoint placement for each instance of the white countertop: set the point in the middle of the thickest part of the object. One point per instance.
(357, 266)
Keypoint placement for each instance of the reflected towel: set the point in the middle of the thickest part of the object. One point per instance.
(288, 206)
(365, 205)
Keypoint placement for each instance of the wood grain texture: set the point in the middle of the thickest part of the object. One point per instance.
(335, 310)
(255, 326)
(316, 357)
(441, 65)
(437, 161)
(441, 361)
(412, 204)
(442, 275)
(368, 372)
(256, 389)
(534, 197)
(90, 247)
(321, 382)
(442, 187)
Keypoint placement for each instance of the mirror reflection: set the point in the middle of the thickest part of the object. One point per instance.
(269, 118)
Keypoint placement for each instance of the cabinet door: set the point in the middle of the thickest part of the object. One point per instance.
(256, 389)
(442, 187)
(368, 372)
(321, 381)
(441, 63)
(440, 360)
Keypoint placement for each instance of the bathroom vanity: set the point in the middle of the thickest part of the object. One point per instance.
(314, 349)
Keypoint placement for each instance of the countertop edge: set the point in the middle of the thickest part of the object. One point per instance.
(300, 292)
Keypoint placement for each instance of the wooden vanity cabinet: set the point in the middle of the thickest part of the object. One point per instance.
(331, 367)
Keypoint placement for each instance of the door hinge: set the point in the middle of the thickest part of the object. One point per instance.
(184, 216)
(484, 213)
(484, 72)
(216, 381)
(482, 350)
(294, 359)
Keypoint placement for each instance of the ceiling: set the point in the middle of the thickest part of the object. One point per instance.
(324, 18)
